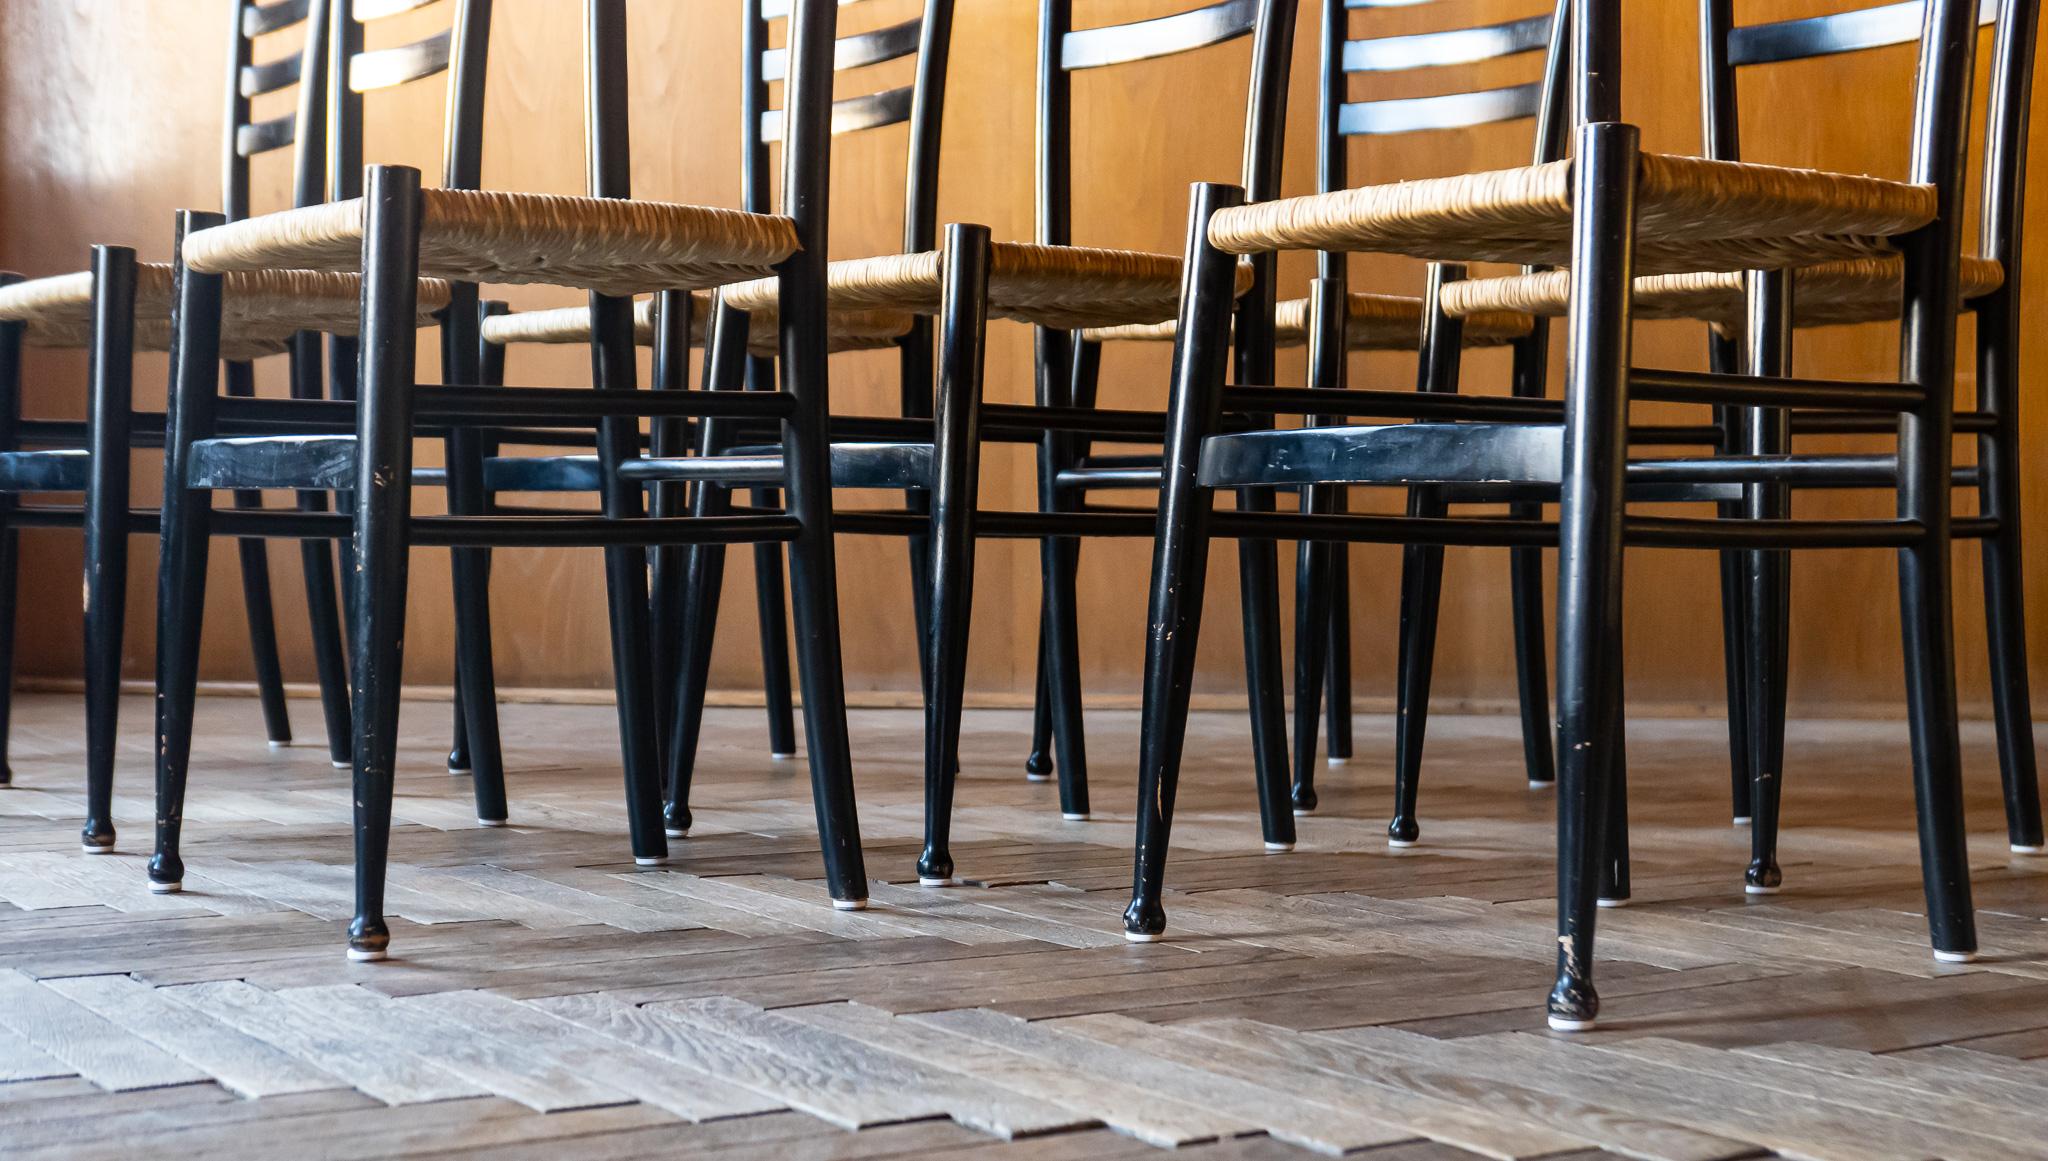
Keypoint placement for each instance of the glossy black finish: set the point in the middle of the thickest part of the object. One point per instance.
(106, 528)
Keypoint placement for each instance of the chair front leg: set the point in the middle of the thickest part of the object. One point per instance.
(106, 531)
(382, 540)
(956, 470)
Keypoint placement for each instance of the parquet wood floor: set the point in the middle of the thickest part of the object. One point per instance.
(548, 999)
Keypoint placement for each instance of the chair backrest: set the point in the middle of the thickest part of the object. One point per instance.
(921, 103)
(462, 50)
(1726, 48)
(1543, 101)
(303, 129)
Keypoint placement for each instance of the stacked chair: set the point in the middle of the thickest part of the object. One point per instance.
(1608, 214)
(120, 306)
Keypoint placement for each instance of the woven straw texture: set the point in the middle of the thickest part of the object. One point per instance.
(261, 310)
(1055, 286)
(1375, 322)
(614, 246)
(851, 330)
(1693, 215)
(1861, 290)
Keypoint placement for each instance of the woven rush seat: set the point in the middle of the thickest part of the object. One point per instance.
(261, 309)
(1855, 291)
(1694, 214)
(1067, 287)
(850, 330)
(610, 245)
(1373, 322)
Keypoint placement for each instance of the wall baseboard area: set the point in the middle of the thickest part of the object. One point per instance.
(911, 699)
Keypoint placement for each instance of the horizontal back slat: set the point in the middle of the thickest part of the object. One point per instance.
(777, 9)
(872, 111)
(264, 136)
(1145, 39)
(386, 67)
(852, 52)
(1449, 111)
(1452, 47)
(270, 76)
(368, 10)
(1855, 31)
(267, 18)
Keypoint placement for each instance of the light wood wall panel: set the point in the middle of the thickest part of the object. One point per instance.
(110, 120)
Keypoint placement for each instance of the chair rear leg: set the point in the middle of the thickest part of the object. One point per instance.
(771, 603)
(1311, 640)
(1258, 570)
(1998, 464)
(10, 563)
(316, 565)
(1422, 579)
(1337, 669)
(1735, 665)
(106, 531)
(1038, 764)
(253, 555)
(1059, 558)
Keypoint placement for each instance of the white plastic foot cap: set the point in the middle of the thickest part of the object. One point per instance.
(1739, 820)
(1535, 785)
(778, 756)
(1400, 844)
(1611, 904)
(358, 955)
(1300, 813)
(277, 745)
(1142, 937)
(1075, 817)
(674, 833)
(1560, 1024)
(923, 881)
(1955, 956)
(459, 771)
(1037, 777)
(92, 849)
(1335, 761)
(1277, 848)
(2025, 850)
(650, 860)
(491, 822)
(341, 765)
(1759, 889)
(849, 905)
(156, 888)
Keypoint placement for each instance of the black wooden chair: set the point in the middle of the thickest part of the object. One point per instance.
(1609, 212)
(606, 243)
(65, 312)
(1851, 292)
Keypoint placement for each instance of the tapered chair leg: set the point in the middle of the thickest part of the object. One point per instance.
(254, 557)
(1735, 664)
(1590, 547)
(316, 564)
(1311, 640)
(1059, 562)
(956, 470)
(1532, 673)
(1258, 570)
(459, 762)
(772, 605)
(1998, 460)
(1038, 764)
(1614, 869)
(106, 531)
(1766, 606)
(476, 700)
(1337, 666)
(183, 544)
(1925, 596)
(1422, 580)
(1180, 550)
(383, 500)
(11, 334)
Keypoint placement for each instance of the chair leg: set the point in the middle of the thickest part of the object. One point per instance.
(1925, 597)
(1337, 667)
(1180, 550)
(1614, 870)
(1311, 640)
(257, 607)
(703, 578)
(1532, 677)
(771, 604)
(955, 494)
(1422, 580)
(1591, 510)
(383, 503)
(1258, 570)
(1735, 663)
(1766, 605)
(459, 761)
(1998, 462)
(184, 540)
(316, 565)
(1038, 764)
(10, 563)
(106, 531)
(1059, 558)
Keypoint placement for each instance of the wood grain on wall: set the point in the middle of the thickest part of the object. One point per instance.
(110, 120)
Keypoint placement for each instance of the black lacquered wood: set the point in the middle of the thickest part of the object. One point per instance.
(1852, 31)
(106, 528)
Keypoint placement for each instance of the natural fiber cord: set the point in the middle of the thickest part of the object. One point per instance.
(851, 330)
(1374, 322)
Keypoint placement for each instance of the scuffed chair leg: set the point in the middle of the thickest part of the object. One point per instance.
(106, 531)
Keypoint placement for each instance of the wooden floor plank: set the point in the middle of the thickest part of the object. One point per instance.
(93, 1046)
(238, 1062)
